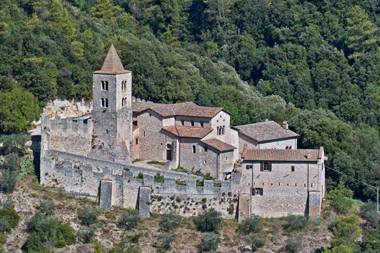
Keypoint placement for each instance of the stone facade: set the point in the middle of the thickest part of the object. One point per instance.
(289, 187)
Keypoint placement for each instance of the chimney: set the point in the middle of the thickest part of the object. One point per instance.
(285, 125)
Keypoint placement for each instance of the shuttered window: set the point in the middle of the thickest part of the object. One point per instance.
(266, 166)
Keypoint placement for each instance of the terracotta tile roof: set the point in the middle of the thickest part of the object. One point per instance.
(112, 63)
(188, 131)
(291, 155)
(189, 109)
(218, 144)
(265, 131)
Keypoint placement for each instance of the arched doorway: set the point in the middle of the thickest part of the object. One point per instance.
(169, 152)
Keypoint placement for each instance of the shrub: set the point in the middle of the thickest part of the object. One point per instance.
(170, 221)
(86, 233)
(255, 242)
(209, 242)
(88, 216)
(339, 202)
(125, 247)
(4, 225)
(64, 236)
(3, 239)
(368, 212)
(26, 166)
(293, 245)
(295, 222)
(8, 180)
(200, 183)
(165, 242)
(12, 161)
(158, 178)
(209, 221)
(133, 238)
(342, 248)
(47, 207)
(44, 226)
(98, 247)
(129, 219)
(346, 227)
(34, 244)
(250, 225)
(140, 176)
(180, 182)
(11, 216)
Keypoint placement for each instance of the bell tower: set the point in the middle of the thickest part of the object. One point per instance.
(112, 107)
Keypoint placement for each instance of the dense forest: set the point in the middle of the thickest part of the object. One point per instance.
(313, 63)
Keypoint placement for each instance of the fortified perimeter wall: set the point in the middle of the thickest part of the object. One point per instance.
(72, 135)
(120, 185)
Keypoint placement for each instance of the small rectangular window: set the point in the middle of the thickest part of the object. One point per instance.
(194, 149)
(266, 166)
(206, 149)
(137, 141)
(257, 191)
(248, 166)
(293, 168)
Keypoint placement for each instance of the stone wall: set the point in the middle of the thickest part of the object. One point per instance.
(83, 175)
(279, 144)
(284, 192)
(198, 121)
(206, 161)
(60, 134)
(152, 140)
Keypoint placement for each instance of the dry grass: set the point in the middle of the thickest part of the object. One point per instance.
(29, 194)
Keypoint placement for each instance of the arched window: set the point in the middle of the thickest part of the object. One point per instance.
(102, 102)
(194, 149)
(217, 130)
(107, 102)
(106, 85)
(122, 102)
(223, 129)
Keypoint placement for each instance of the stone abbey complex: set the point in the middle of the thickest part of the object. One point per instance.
(204, 162)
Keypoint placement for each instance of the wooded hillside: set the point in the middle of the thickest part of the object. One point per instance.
(314, 63)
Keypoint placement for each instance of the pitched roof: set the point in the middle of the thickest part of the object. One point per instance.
(218, 144)
(265, 131)
(112, 63)
(189, 109)
(188, 131)
(291, 155)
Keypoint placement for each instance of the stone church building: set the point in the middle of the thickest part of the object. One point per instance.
(270, 175)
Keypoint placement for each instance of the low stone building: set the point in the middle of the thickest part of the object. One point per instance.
(187, 135)
(281, 182)
(257, 167)
(266, 135)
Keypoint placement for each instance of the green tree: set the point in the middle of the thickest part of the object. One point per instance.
(361, 32)
(18, 108)
(105, 11)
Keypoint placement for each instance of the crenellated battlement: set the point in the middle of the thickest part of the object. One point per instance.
(82, 124)
(83, 175)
